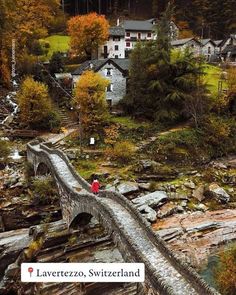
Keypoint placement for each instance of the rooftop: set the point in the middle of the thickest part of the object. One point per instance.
(116, 31)
(205, 41)
(180, 42)
(138, 25)
(96, 64)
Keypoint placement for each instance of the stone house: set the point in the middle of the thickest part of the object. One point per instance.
(191, 43)
(228, 51)
(115, 70)
(208, 48)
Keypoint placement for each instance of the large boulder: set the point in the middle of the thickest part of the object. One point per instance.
(198, 193)
(152, 200)
(127, 188)
(148, 213)
(169, 209)
(217, 192)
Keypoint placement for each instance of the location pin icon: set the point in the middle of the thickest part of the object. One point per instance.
(30, 270)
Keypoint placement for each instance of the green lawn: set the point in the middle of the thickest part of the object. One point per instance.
(212, 78)
(57, 43)
(128, 122)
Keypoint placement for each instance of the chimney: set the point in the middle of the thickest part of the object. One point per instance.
(118, 22)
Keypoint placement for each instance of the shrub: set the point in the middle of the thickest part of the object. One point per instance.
(28, 171)
(219, 134)
(122, 152)
(111, 134)
(52, 121)
(4, 151)
(225, 272)
(44, 190)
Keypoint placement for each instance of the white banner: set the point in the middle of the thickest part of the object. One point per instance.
(82, 272)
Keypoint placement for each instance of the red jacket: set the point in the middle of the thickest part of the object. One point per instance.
(95, 186)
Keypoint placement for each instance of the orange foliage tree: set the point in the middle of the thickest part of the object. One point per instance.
(87, 33)
(24, 21)
(90, 97)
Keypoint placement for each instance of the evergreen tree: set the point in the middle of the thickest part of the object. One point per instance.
(56, 64)
(165, 85)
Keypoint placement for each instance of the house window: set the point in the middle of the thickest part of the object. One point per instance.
(116, 38)
(109, 72)
(116, 56)
(209, 50)
(128, 34)
(116, 47)
(127, 44)
(110, 88)
(149, 35)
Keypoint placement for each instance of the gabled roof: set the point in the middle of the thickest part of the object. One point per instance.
(180, 42)
(138, 25)
(96, 64)
(116, 31)
(205, 41)
(218, 42)
(229, 48)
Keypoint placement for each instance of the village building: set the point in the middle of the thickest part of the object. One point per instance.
(208, 49)
(115, 45)
(218, 44)
(115, 70)
(228, 52)
(191, 43)
(123, 37)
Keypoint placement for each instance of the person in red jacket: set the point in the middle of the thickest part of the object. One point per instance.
(95, 186)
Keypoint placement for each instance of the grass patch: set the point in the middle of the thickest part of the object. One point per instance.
(57, 43)
(128, 122)
(86, 168)
(212, 78)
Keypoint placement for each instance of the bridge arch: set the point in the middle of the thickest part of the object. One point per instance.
(42, 169)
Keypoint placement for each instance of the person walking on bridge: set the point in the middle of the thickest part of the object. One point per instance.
(95, 186)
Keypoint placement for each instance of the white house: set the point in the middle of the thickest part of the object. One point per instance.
(115, 45)
(143, 30)
(208, 48)
(124, 37)
(191, 43)
(115, 70)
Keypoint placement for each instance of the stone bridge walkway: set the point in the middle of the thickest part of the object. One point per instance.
(164, 272)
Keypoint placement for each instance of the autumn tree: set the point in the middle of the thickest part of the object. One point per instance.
(90, 98)
(87, 33)
(35, 105)
(24, 21)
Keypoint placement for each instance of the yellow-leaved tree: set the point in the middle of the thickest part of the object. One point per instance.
(90, 97)
(87, 33)
(35, 105)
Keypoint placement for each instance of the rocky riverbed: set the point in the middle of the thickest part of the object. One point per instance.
(193, 210)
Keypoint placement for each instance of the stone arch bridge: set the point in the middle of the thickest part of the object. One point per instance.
(165, 274)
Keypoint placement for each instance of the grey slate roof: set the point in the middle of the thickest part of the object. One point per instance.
(138, 25)
(180, 42)
(121, 63)
(205, 41)
(229, 48)
(218, 42)
(116, 31)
